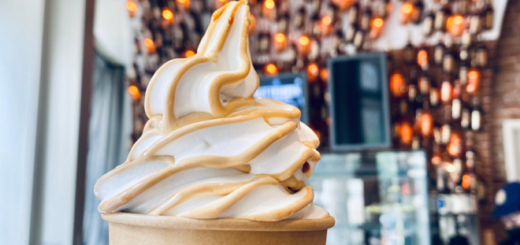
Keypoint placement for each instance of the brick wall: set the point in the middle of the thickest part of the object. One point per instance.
(506, 83)
(501, 101)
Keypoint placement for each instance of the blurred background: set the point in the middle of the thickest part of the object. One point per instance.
(416, 103)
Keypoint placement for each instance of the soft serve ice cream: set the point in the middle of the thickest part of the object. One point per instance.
(210, 149)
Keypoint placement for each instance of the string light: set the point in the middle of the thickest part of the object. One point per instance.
(457, 20)
(455, 25)
(343, 4)
(167, 14)
(406, 133)
(422, 58)
(426, 124)
(312, 71)
(397, 84)
(378, 22)
(324, 74)
(186, 3)
(407, 8)
(473, 81)
(466, 181)
(325, 25)
(303, 44)
(376, 27)
(279, 37)
(436, 159)
(189, 53)
(326, 20)
(304, 40)
(134, 91)
(271, 69)
(406, 12)
(281, 41)
(269, 4)
(455, 145)
(149, 45)
(131, 6)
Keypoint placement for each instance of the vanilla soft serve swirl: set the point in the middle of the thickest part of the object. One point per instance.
(210, 150)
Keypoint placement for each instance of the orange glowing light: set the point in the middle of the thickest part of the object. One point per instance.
(167, 15)
(422, 58)
(473, 81)
(378, 22)
(304, 41)
(455, 25)
(281, 41)
(457, 20)
(407, 8)
(343, 4)
(131, 6)
(186, 3)
(271, 69)
(313, 68)
(149, 44)
(406, 12)
(436, 159)
(397, 85)
(324, 74)
(134, 91)
(269, 4)
(466, 181)
(455, 145)
(449, 23)
(326, 20)
(376, 27)
(326, 27)
(312, 71)
(280, 38)
(189, 53)
(426, 124)
(303, 45)
(406, 133)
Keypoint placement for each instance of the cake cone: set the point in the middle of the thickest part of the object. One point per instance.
(138, 229)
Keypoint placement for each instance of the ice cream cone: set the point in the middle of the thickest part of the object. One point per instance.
(130, 229)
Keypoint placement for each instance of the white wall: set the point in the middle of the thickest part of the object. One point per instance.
(21, 28)
(62, 77)
(113, 33)
(41, 58)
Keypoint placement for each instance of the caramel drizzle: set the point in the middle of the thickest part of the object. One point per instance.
(211, 55)
(202, 161)
(174, 128)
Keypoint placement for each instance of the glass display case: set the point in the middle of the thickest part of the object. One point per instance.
(376, 198)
